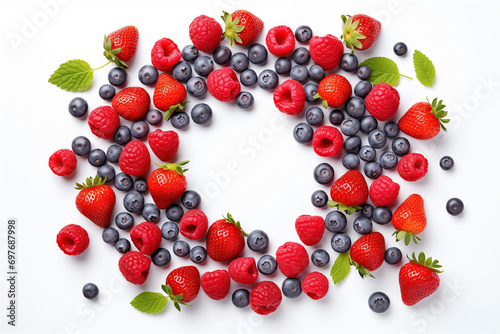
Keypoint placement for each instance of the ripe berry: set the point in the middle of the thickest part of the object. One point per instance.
(377, 138)
(174, 212)
(139, 129)
(123, 135)
(393, 255)
(78, 107)
(107, 92)
(362, 225)
(372, 169)
(161, 257)
(350, 161)
(182, 71)
(133, 201)
(391, 129)
(240, 298)
(124, 220)
(367, 153)
(336, 117)
(280, 41)
(303, 34)
(400, 49)
(362, 88)
(350, 126)
(446, 162)
(301, 56)
(122, 246)
(316, 73)
(382, 215)
(341, 242)
(103, 122)
(315, 285)
(107, 172)
(117, 76)
(97, 157)
(216, 284)
(282, 66)
(169, 231)
(243, 270)
(244, 100)
(110, 235)
(400, 146)
(194, 224)
(258, 241)
(257, 53)
(191, 199)
(113, 153)
(239, 62)
(290, 97)
(379, 302)
(134, 266)
(248, 77)
(72, 239)
(368, 124)
(90, 290)
(454, 206)
(222, 55)
(413, 167)
(150, 212)
(355, 107)
(327, 141)
(291, 287)
(299, 73)
(141, 185)
(189, 53)
(265, 297)
(320, 258)
(349, 62)
(148, 75)
(311, 89)
(363, 72)
(319, 198)
(335, 221)
(181, 248)
(198, 254)
(323, 173)
(63, 162)
(303, 133)
(267, 265)
(388, 160)
(201, 113)
(180, 120)
(367, 210)
(81, 146)
(196, 86)
(203, 65)
(292, 259)
(352, 144)
(146, 237)
(267, 80)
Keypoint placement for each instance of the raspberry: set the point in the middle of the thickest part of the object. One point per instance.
(62, 162)
(290, 97)
(223, 84)
(243, 270)
(280, 41)
(216, 284)
(383, 191)
(412, 167)
(205, 33)
(326, 51)
(265, 297)
(164, 144)
(146, 237)
(135, 159)
(103, 122)
(315, 285)
(165, 54)
(194, 224)
(382, 102)
(134, 266)
(72, 239)
(292, 259)
(327, 141)
(310, 229)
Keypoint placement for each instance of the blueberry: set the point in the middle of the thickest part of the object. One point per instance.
(244, 100)
(97, 157)
(335, 221)
(367, 211)
(314, 115)
(124, 220)
(311, 89)
(377, 138)
(203, 65)
(368, 124)
(350, 161)
(258, 241)
(301, 56)
(303, 133)
(241, 298)
(393, 255)
(363, 72)
(150, 212)
(169, 231)
(341, 242)
(180, 120)
(291, 287)
(123, 182)
(350, 126)
(154, 117)
(323, 173)
(107, 92)
(182, 71)
(174, 212)
(122, 246)
(196, 87)
(320, 258)
(78, 107)
(106, 171)
(148, 75)
(201, 113)
(113, 153)
(349, 62)
(299, 73)
(446, 162)
(282, 66)
(161, 257)
(122, 135)
(239, 62)
(372, 169)
(391, 130)
(257, 53)
(400, 146)
(139, 129)
(319, 199)
(222, 55)
(81, 146)
(355, 107)
(379, 302)
(267, 80)
(90, 290)
(267, 265)
(181, 248)
(198, 254)
(382, 215)
(388, 160)
(117, 76)
(133, 201)
(248, 77)
(362, 225)
(352, 144)
(303, 34)
(189, 53)
(454, 206)
(362, 88)
(336, 117)
(400, 49)
(110, 235)
(191, 199)
(141, 185)
(316, 73)
(367, 153)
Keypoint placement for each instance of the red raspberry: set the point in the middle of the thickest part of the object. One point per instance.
(135, 159)
(382, 102)
(216, 284)
(164, 144)
(132, 103)
(383, 191)
(62, 162)
(243, 270)
(292, 259)
(72, 239)
(223, 84)
(310, 229)
(103, 122)
(315, 285)
(290, 97)
(265, 297)
(280, 41)
(165, 54)
(134, 266)
(205, 33)
(146, 237)
(412, 167)
(326, 51)
(327, 141)
(194, 224)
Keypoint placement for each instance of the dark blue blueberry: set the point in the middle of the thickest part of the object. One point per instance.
(124, 220)
(400, 146)
(97, 157)
(122, 246)
(454, 206)
(141, 185)
(203, 65)
(320, 258)
(222, 55)
(241, 298)
(341, 242)
(316, 73)
(150, 212)
(314, 115)
(391, 130)
(189, 53)
(107, 92)
(154, 117)
(352, 144)
(244, 100)
(377, 138)
(299, 73)
(181, 248)
(362, 225)
(191, 199)
(196, 87)
(123, 135)
(258, 241)
(257, 53)
(303, 133)
(388, 160)
(382, 215)
(400, 49)
(198, 254)
(90, 290)
(239, 62)
(336, 117)
(291, 287)
(379, 302)
(335, 221)
(301, 56)
(169, 231)
(362, 88)
(363, 72)
(393, 255)
(319, 199)
(350, 161)
(367, 153)
(282, 66)
(113, 153)
(303, 34)
(368, 124)
(117, 76)
(148, 75)
(106, 171)
(81, 146)
(133, 201)
(139, 129)
(349, 62)
(323, 173)
(182, 71)
(248, 77)
(268, 80)
(446, 162)
(372, 169)
(180, 120)
(78, 107)
(355, 107)
(174, 212)
(311, 89)
(110, 235)
(123, 182)
(367, 211)
(350, 126)
(201, 113)
(161, 257)
(267, 265)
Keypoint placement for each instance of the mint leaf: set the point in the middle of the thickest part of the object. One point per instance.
(383, 70)
(424, 68)
(341, 268)
(73, 75)
(149, 302)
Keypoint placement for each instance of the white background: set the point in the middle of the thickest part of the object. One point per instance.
(273, 182)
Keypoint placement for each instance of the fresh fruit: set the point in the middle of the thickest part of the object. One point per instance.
(409, 219)
(241, 298)
(134, 266)
(393, 255)
(341, 242)
(169, 231)
(257, 54)
(95, 200)
(319, 198)
(181, 248)
(205, 33)
(363, 72)
(244, 100)
(391, 129)
(327, 141)
(367, 153)
(382, 102)
(335, 221)
(355, 107)
(164, 144)
(310, 229)
(110, 235)
(167, 183)
(117, 77)
(216, 284)
(148, 75)
(323, 173)
(165, 54)
(388, 160)
(203, 65)
(290, 97)
(349, 62)
(161, 257)
(225, 239)
(352, 144)
(362, 225)
(180, 120)
(446, 162)
(301, 56)
(97, 157)
(280, 41)
(241, 27)
(146, 237)
(103, 122)
(81, 146)
(124, 220)
(291, 287)
(123, 135)
(383, 191)
(122, 246)
(239, 62)
(367, 210)
(78, 107)
(320, 258)
(194, 224)
(292, 259)
(454, 206)
(267, 264)
(299, 73)
(174, 212)
(349, 191)
(150, 212)
(139, 129)
(350, 126)
(303, 34)
(201, 113)
(198, 254)
(315, 285)
(363, 88)
(132, 103)
(265, 297)
(125, 39)
(377, 138)
(303, 133)
(360, 31)
(400, 146)
(412, 167)
(316, 73)
(90, 290)
(243, 270)
(372, 169)
(184, 281)
(223, 84)
(72, 239)
(334, 90)
(400, 49)
(62, 162)
(107, 92)
(282, 66)
(379, 302)
(191, 199)
(424, 120)
(248, 77)
(314, 116)
(268, 79)
(133, 201)
(189, 53)
(382, 215)
(169, 95)
(326, 51)
(197, 87)
(135, 159)
(258, 241)
(106, 172)
(141, 185)
(182, 71)
(222, 55)
(367, 253)
(336, 117)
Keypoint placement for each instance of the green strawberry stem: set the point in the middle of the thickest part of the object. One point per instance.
(407, 236)
(323, 102)
(232, 29)
(231, 220)
(177, 299)
(111, 54)
(362, 271)
(175, 167)
(347, 209)
(426, 262)
(91, 182)
(109, 62)
(438, 111)
(350, 35)
(172, 109)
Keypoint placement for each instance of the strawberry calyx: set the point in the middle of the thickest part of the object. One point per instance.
(176, 107)
(362, 271)
(342, 207)
(324, 103)
(177, 299)
(407, 236)
(350, 35)
(438, 111)
(232, 29)
(91, 182)
(175, 167)
(111, 54)
(231, 220)
(426, 262)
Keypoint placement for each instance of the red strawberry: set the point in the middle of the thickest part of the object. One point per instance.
(409, 219)
(349, 192)
(327, 141)
(383, 191)
(242, 27)
(205, 33)
(367, 253)
(132, 103)
(135, 159)
(134, 266)
(169, 94)
(164, 144)
(103, 122)
(334, 90)
(412, 167)
(360, 31)
(223, 84)
(121, 44)
(96, 201)
(167, 183)
(62, 162)
(280, 41)
(165, 54)
(73, 239)
(310, 229)
(382, 102)
(194, 224)
(418, 279)
(243, 270)
(184, 281)
(326, 51)
(424, 120)
(216, 284)
(290, 97)
(225, 239)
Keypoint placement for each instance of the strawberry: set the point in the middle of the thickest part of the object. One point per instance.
(225, 239)
(183, 281)
(131, 103)
(164, 144)
(205, 33)
(367, 253)
(418, 279)
(242, 27)
(167, 183)
(334, 90)
(424, 120)
(349, 192)
(96, 200)
(169, 95)
(121, 44)
(409, 219)
(326, 51)
(360, 31)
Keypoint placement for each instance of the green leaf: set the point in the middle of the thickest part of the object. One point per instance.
(149, 302)
(424, 69)
(382, 70)
(73, 75)
(341, 268)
